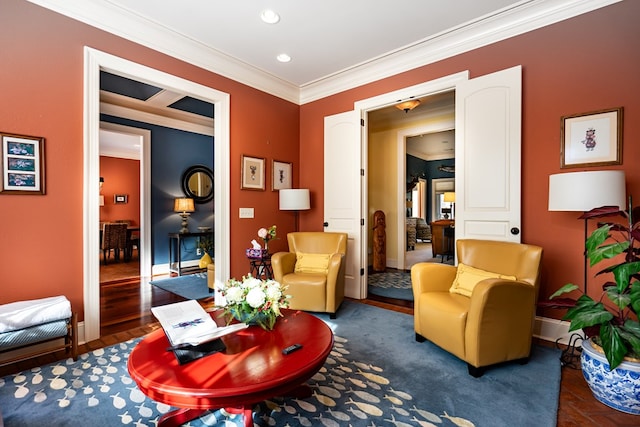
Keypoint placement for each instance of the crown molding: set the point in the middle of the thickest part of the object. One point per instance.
(525, 16)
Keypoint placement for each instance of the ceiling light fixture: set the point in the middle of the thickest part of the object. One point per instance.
(269, 16)
(283, 57)
(408, 105)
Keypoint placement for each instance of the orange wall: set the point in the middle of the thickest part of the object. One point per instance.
(121, 176)
(583, 64)
(41, 82)
(588, 63)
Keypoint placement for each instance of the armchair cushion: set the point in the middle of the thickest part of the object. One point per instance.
(468, 277)
(312, 263)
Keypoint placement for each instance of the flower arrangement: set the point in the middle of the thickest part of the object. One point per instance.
(254, 301)
(266, 235)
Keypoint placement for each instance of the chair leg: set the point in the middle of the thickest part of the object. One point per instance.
(332, 315)
(420, 338)
(474, 371)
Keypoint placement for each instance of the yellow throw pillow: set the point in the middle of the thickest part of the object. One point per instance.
(468, 277)
(312, 263)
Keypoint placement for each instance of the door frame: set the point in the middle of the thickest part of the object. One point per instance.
(94, 62)
(443, 84)
(144, 251)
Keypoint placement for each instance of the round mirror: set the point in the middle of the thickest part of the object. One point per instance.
(197, 183)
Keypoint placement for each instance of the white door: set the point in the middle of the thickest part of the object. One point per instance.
(342, 192)
(488, 111)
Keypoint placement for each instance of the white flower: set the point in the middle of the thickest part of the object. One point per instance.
(234, 295)
(251, 282)
(256, 297)
(273, 290)
(262, 233)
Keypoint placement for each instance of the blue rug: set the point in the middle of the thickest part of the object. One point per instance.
(377, 375)
(391, 285)
(191, 286)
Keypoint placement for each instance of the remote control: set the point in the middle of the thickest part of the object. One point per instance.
(291, 348)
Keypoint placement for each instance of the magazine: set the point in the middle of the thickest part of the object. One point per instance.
(188, 324)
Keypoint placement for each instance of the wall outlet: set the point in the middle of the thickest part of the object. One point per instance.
(198, 251)
(246, 212)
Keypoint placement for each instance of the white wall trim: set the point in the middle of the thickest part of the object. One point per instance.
(94, 61)
(526, 16)
(144, 156)
(552, 330)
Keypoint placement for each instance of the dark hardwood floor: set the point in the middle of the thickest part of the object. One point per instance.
(125, 313)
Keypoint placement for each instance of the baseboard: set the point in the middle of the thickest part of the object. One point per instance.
(552, 330)
(158, 269)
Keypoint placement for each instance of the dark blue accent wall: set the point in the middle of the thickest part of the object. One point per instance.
(172, 152)
(427, 170)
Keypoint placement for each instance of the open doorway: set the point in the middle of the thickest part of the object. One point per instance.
(406, 151)
(95, 61)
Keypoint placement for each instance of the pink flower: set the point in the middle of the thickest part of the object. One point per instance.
(262, 233)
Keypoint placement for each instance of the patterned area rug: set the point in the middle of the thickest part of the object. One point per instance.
(376, 375)
(191, 286)
(391, 285)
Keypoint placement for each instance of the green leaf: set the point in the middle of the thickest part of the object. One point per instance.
(606, 251)
(623, 273)
(587, 315)
(635, 297)
(612, 344)
(630, 332)
(569, 287)
(622, 300)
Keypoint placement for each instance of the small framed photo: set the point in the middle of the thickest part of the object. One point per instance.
(22, 164)
(591, 139)
(120, 199)
(281, 175)
(252, 173)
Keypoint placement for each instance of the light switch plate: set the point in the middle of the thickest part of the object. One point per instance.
(246, 212)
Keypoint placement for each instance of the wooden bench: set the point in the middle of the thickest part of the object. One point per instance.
(41, 330)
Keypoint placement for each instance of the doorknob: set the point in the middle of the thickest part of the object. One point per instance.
(515, 231)
(325, 224)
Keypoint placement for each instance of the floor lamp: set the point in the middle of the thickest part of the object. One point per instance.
(582, 192)
(295, 199)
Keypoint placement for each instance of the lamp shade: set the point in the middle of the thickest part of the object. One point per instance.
(294, 199)
(583, 191)
(450, 197)
(183, 204)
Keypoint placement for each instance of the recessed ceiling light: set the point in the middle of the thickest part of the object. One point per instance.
(283, 57)
(269, 16)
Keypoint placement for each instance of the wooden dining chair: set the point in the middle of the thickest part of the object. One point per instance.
(114, 238)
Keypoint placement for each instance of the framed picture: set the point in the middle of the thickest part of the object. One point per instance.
(281, 175)
(252, 173)
(591, 139)
(119, 199)
(22, 164)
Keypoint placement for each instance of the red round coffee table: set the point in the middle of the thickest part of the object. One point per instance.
(250, 370)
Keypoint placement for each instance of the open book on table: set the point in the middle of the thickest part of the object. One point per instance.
(188, 324)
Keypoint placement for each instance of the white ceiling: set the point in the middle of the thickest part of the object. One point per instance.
(334, 44)
(322, 37)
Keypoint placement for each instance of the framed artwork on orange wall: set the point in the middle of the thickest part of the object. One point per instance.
(281, 175)
(22, 167)
(591, 139)
(252, 173)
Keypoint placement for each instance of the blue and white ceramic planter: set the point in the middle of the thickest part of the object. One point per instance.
(620, 388)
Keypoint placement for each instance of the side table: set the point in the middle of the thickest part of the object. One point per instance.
(261, 267)
(175, 252)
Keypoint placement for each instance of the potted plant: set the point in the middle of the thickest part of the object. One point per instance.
(611, 321)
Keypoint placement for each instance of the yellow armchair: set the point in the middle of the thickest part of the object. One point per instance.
(313, 270)
(495, 323)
